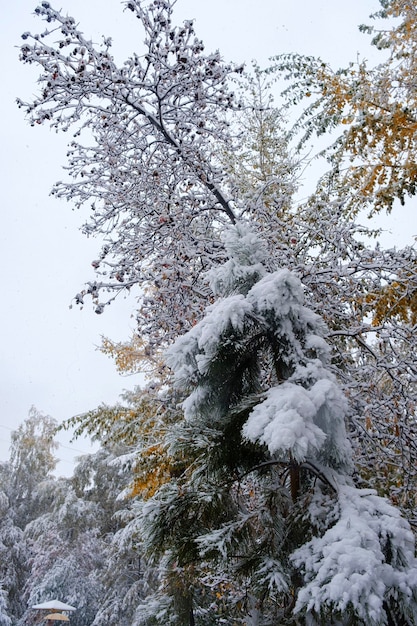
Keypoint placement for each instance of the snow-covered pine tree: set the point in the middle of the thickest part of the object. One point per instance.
(263, 524)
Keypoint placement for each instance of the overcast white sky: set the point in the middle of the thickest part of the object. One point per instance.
(48, 352)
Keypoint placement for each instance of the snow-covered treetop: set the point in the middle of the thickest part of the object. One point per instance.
(246, 254)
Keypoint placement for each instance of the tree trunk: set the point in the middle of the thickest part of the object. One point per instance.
(294, 480)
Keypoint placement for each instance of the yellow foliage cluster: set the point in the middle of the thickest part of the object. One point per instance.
(397, 300)
(133, 357)
(152, 470)
(374, 160)
(144, 424)
(153, 466)
(140, 427)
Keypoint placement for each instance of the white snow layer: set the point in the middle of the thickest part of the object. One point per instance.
(348, 565)
(192, 352)
(246, 252)
(242, 244)
(284, 422)
(280, 293)
(297, 416)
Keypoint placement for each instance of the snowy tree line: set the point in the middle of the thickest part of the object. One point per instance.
(279, 338)
(58, 535)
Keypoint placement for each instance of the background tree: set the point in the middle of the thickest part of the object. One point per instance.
(67, 557)
(260, 164)
(72, 549)
(104, 481)
(31, 461)
(371, 110)
(30, 465)
(149, 171)
(13, 552)
(69, 538)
